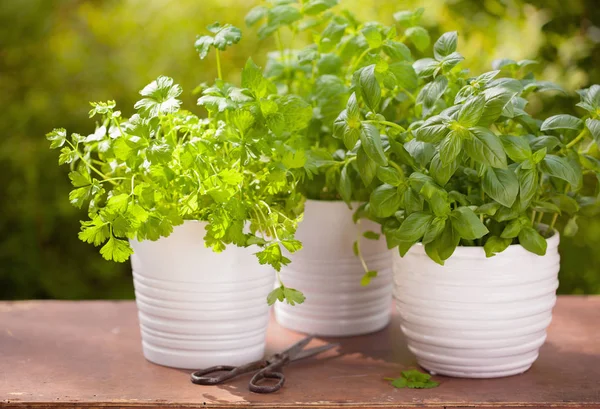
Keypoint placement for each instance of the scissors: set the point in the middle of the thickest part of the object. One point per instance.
(269, 368)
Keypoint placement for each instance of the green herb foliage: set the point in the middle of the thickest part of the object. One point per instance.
(413, 379)
(141, 176)
(324, 74)
(459, 161)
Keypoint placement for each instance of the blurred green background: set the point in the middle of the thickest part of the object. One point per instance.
(56, 55)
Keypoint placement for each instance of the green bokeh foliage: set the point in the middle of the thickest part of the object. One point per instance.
(56, 55)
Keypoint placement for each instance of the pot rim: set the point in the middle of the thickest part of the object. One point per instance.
(478, 252)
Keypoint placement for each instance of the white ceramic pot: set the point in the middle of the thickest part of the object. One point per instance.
(328, 273)
(198, 308)
(476, 317)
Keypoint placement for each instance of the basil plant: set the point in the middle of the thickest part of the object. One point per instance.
(140, 176)
(322, 74)
(458, 160)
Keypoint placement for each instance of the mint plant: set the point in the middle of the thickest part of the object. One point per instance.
(459, 161)
(140, 176)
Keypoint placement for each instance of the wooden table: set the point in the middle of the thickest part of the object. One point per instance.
(88, 354)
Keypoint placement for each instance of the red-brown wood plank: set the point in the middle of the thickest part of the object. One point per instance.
(88, 354)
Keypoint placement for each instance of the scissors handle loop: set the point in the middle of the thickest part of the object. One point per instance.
(258, 377)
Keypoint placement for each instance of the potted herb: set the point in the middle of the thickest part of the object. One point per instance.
(173, 191)
(471, 187)
(344, 267)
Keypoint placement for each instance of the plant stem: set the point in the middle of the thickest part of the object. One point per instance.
(575, 141)
(357, 62)
(280, 45)
(533, 214)
(388, 123)
(397, 167)
(218, 54)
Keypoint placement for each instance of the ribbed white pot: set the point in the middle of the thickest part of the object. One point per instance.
(198, 308)
(476, 317)
(328, 273)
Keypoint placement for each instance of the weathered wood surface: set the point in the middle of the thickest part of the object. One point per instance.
(88, 354)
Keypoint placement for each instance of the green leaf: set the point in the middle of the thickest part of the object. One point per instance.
(451, 146)
(571, 227)
(471, 111)
(160, 97)
(466, 223)
(371, 235)
(485, 147)
(202, 45)
(413, 379)
(283, 15)
(517, 148)
(496, 99)
(445, 45)
(225, 36)
(528, 183)
(434, 230)
(422, 152)
(57, 137)
(389, 175)
(501, 185)
(367, 168)
(495, 245)
(419, 37)
(532, 241)
(252, 78)
(544, 141)
(94, 231)
(116, 250)
(432, 92)
(440, 172)
(433, 129)
(370, 90)
(399, 53)
(313, 7)
(366, 279)
(385, 201)
(371, 143)
(425, 67)
(255, 15)
(593, 125)
(345, 185)
(414, 227)
(292, 296)
(373, 36)
(512, 229)
(561, 121)
(561, 168)
(405, 75)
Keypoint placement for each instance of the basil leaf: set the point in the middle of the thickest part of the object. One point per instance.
(389, 175)
(440, 172)
(496, 245)
(466, 223)
(561, 168)
(501, 185)
(471, 111)
(485, 147)
(532, 241)
(414, 227)
(418, 36)
(445, 45)
(451, 146)
(517, 148)
(528, 182)
(433, 129)
(370, 89)
(344, 187)
(384, 201)
(366, 167)
(434, 230)
(593, 125)
(371, 143)
(561, 121)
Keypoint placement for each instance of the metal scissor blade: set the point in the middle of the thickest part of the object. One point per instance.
(313, 351)
(298, 346)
